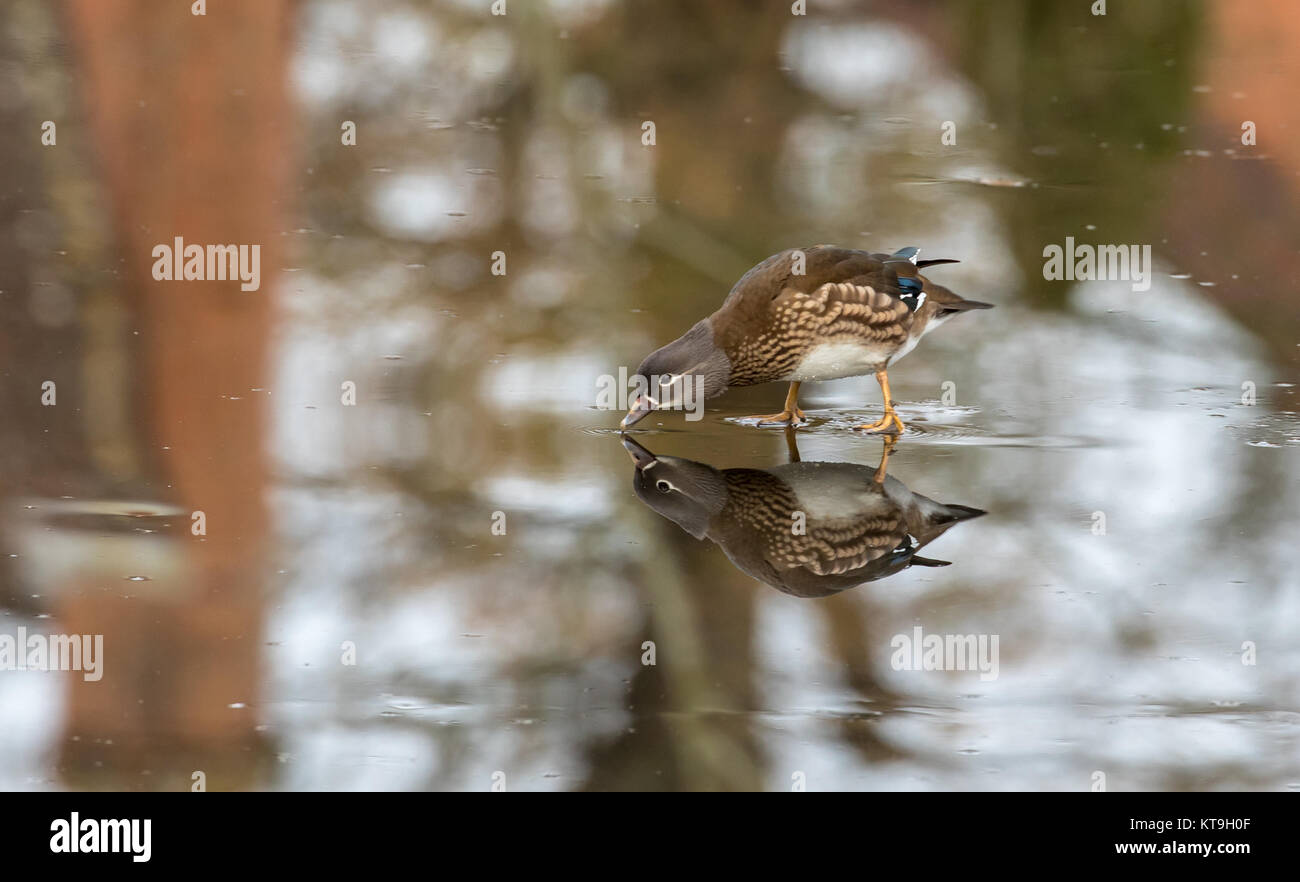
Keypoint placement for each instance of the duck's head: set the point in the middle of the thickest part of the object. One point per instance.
(688, 493)
(681, 375)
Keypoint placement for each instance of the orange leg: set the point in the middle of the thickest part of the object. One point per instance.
(889, 443)
(788, 417)
(890, 419)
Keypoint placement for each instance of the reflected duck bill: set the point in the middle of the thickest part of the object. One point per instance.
(640, 456)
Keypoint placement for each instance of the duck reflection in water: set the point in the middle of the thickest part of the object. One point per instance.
(810, 529)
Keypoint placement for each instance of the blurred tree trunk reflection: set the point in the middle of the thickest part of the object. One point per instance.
(188, 124)
(692, 729)
(1224, 227)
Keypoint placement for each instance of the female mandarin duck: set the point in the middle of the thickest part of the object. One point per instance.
(817, 313)
(860, 525)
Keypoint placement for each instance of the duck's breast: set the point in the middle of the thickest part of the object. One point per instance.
(835, 360)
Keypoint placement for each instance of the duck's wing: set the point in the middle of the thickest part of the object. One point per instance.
(827, 521)
(805, 270)
(815, 294)
(852, 523)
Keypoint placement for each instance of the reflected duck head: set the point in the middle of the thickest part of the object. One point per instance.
(688, 493)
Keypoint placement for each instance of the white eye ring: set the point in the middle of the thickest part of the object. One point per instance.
(663, 486)
(668, 381)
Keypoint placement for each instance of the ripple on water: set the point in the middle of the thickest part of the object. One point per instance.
(1269, 430)
(832, 423)
(637, 431)
(925, 431)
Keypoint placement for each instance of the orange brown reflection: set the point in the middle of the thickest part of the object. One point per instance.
(810, 529)
(187, 127)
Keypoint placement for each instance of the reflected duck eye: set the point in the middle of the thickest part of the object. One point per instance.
(663, 486)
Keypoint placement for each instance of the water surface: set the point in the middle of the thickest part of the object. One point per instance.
(352, 619)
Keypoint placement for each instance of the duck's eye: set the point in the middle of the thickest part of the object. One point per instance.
(663, 486)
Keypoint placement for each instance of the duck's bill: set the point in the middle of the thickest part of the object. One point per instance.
(640, 456)
(637, 413)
